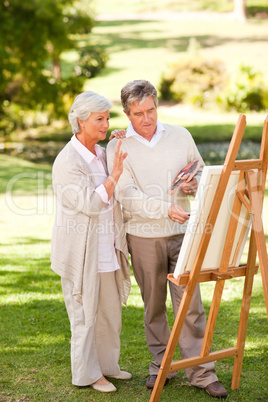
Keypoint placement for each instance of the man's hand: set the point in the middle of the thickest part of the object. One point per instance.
(118, 133)
(189, 187)
(178, 214)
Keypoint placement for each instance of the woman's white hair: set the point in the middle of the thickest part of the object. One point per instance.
(84, 104)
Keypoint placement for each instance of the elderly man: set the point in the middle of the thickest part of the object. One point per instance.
(155, 223)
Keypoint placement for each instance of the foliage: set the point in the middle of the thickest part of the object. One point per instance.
(36, 33)
(245, 91)
(198, 80)
(257, 8)
(193, 79)
(139, 49)
(92, 60)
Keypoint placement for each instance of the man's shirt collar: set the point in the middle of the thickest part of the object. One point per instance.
(160, 130)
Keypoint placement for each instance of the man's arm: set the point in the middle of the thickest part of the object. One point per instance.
(135, 201)
(131, 197)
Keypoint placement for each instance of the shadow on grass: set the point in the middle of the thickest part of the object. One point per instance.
(19, 175)
(24, 323)
(35, 338)
(34, 279)
(134, 39)
(26, 240)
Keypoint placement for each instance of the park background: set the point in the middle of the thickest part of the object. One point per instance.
(126, 40)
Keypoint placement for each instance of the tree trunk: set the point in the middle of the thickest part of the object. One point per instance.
(56, 69)
(240, 10)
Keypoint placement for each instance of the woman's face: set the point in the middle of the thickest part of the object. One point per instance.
(96, 126)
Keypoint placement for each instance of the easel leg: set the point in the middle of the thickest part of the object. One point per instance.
(254, 195)
(172, 344)
(212, 318)
(257, 242)
(243, 324)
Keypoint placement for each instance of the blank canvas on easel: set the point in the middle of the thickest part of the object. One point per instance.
(196, 224)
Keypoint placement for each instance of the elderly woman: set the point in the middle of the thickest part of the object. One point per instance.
(89, 248)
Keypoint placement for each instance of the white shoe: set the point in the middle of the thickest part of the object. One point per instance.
(123, 375)
(104, 388)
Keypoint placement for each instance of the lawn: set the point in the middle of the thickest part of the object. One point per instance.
(35, 335)
(146, 48)
(119, 7)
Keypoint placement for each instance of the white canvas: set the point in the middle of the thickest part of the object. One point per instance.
(200, 210)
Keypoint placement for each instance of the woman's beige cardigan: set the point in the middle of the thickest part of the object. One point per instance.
(74, 245)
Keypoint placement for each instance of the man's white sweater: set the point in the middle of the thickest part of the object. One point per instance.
(148, 173)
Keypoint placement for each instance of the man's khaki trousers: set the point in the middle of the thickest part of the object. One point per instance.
(152, 259)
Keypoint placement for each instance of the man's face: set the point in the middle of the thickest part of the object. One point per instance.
(143, 117)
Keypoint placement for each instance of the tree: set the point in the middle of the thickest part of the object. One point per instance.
(35, 34)
(240, 10)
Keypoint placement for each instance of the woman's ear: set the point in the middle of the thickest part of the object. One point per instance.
(81, 122)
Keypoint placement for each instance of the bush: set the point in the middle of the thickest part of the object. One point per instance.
(199, 81)
(92, 60)
(245, 91)
(193, 79)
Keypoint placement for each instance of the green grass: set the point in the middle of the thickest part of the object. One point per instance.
(145, 49)
(34, 328)
(134, 6)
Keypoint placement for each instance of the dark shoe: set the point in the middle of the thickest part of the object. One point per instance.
(216, 390)
(151, 381)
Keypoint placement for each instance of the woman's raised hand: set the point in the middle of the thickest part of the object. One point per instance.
(111, 181)
(119, 158)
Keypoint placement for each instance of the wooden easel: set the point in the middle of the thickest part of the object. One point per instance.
(252, 198)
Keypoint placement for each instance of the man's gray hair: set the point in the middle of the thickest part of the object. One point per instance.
(84, 104)
(137, 90)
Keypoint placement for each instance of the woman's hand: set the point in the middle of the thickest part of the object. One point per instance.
(178, 214)
(112, 180)
(118, 133)
(119, 158)
(189, 187)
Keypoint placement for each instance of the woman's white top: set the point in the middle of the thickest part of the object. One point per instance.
(107, 260)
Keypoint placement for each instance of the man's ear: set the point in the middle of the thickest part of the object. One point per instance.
(128, 116)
